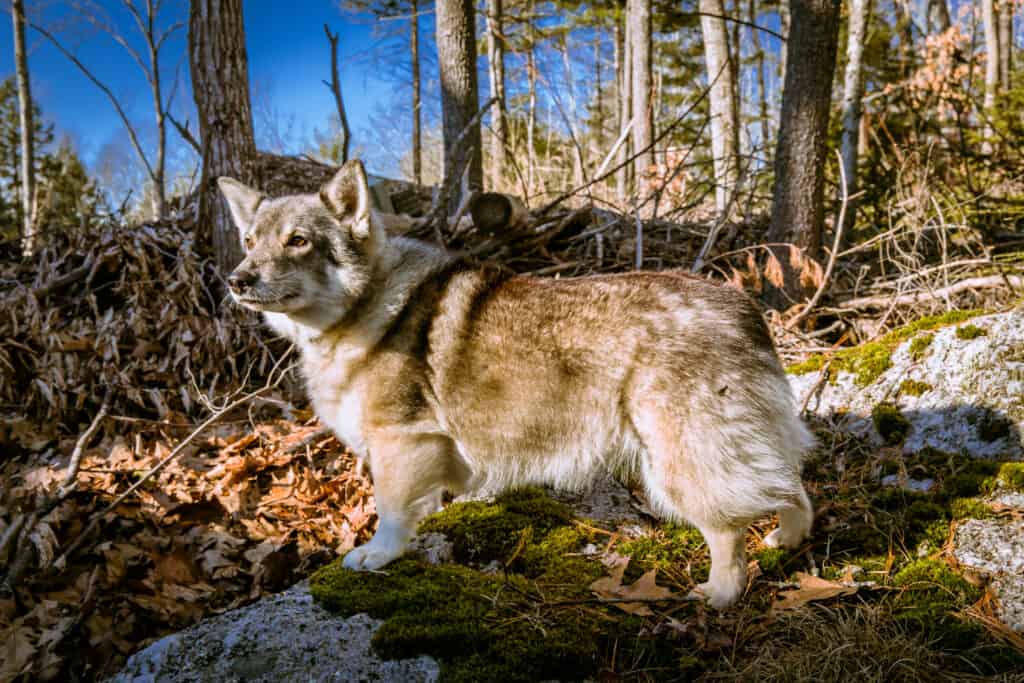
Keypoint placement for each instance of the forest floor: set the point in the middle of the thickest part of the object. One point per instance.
(125, 319)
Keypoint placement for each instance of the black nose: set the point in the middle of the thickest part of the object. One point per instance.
(239, 282)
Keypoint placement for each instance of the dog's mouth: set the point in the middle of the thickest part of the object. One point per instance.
(265, 303)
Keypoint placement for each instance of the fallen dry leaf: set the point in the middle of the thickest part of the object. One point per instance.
(611, 588)
(812, 588)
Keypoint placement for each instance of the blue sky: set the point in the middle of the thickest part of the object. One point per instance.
(288, 58)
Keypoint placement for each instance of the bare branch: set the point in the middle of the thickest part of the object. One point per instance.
(335, 87)
(184, 132)
(106, 91)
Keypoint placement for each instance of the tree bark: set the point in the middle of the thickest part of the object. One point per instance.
(988, 17)
(639, 23)
(724, 116)
(496, 71)
(28, 176)
(797, 207)
(414, 50)
(1005, 43)
(531, 104)
(456, 53)
(852, 107)
(220, 86)
(938, 17)
(625, 90)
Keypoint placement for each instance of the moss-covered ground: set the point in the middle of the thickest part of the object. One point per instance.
(868, 361)
(515, 604)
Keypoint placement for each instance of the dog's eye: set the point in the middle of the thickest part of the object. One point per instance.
(248, 242)
(297, 241)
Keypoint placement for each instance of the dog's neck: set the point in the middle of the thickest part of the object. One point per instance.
(360, 325)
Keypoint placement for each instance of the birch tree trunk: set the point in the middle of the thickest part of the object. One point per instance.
(625, 88)
(724, 117)
(938, 17)
(28, 175)
(853, 93)
(456, 55)
(496, 71)
(988, 17)
(414, 50)
(639, 22)
(220, 87)
(797, 207)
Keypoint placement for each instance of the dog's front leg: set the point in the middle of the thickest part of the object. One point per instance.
(409, 476)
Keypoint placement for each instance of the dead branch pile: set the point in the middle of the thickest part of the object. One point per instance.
(127, 312)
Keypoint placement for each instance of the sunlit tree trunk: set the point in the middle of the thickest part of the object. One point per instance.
(853, 93)
(991, 24)
(496, 71)
(639, 22)
(414, 57)
(456, 56)
(220, 87)
(625, 88)
(28, 175)
(724, 116)
(797, 207)
(759, 66)
(1005, 43)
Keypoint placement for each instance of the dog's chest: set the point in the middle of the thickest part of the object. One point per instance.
(337, 400)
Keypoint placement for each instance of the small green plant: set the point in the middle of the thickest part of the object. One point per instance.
(890, 423)
(968, 332)
(919, 346)
(913, 387)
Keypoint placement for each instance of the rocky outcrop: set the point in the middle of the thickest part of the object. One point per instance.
(284, 637)
(956, 388)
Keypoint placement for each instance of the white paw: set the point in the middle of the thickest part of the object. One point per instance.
(778, 539)
(718, 596)
(370, 556)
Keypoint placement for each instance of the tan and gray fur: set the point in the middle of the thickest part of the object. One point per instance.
(448, 377)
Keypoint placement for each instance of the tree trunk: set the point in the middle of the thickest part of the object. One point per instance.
(28, 176)
(938, 17)
(159, 186)
(639, 23)
(531, 113)
(1005, 43)
(762, 95)
(797, 207)
(853, 93)
(220, 86)
(784, 21)
(456, 54)
(724, 118)
(625, 88)
(414, 49)
(496, 70)
(988, 17)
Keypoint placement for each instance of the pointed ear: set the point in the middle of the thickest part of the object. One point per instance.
(347, 195)
(241, 199)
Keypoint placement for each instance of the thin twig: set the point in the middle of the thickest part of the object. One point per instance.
(272, 382)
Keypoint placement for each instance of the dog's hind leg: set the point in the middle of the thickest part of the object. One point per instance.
(794, 524)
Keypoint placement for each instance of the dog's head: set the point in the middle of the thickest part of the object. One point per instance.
(308, 256)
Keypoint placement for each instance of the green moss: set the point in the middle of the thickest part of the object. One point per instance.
(968, 332)
(919, 346)
(811, 364)
(772, 561)
(932, 593)
(970, 508)
(1011, 476)
(868, 361)
(527, 623)
(913, 387)
(890, 423)
(992, 426)
(667, 546)
(511, 530)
